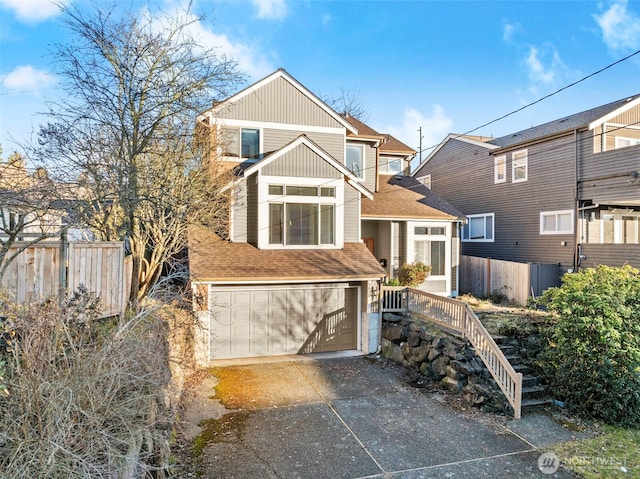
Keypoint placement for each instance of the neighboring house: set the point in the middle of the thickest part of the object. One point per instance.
(293, 275)
(566, 192)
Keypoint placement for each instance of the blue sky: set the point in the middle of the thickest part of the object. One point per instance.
(445, 66)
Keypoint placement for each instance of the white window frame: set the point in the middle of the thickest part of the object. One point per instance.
(361, 175)
(519, 159)
(465, 229)
(265, 199)
(387, 162)
(556, 214)
(500, 163)
(425, 180)
(412, 237)
(235, 131)
(629, 141)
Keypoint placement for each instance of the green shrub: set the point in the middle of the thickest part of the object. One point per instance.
(593, 356)
(414, 274)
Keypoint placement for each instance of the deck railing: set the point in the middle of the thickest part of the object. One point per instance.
(458, 316)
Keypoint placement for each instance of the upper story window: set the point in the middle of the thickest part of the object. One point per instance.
(556, 222)
(392, 166)
(302, 215)
(500, 169)
(519, 160)
(425, 180)
(478, 228)
(240, 142)
(355, 160)
(622, 141)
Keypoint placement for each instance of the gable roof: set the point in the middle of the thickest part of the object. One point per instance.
(307, 142)
(585, 119)
(471, 139)
(404, 197)
(388, 143)
(212, 259)
(280, 73)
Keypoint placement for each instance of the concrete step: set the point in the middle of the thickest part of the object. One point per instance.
(522, 368)
(529, 381)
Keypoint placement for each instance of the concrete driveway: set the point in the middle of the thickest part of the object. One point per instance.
(351, 417)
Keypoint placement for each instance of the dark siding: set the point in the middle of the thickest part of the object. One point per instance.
(252, 210)
(610, 254)
(463, 174)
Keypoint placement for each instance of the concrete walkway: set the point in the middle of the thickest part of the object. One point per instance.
(302, 417)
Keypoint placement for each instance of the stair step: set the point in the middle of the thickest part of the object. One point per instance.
(521, 368)
(529, 381)
(508, 350)
(533, 392)
(513, 359)
(530, 404)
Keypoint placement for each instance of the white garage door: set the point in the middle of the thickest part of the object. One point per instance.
(265, 322)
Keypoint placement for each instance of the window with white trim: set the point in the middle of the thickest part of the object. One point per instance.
(519, 161)
(556, 222)
(621, 141)
(240, 142)
(479, 228)
(500, 169)
(429, 244)
(392, 166)
(302, 215)
(355, 160)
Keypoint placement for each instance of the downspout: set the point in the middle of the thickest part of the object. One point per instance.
(576, 219)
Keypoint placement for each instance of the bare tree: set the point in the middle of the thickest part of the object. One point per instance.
(27, 209)
(349, 102)
(126, 131)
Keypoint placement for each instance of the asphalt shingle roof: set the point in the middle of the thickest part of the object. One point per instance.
(217, 260)
(569, 123)
(406, 197)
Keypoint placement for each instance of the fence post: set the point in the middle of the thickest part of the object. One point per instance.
(62, 270)
(487, 289)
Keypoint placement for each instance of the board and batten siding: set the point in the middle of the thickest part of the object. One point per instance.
(333, 144)
(301, 162)
(239, 213)
(351, 215)
(279, 101)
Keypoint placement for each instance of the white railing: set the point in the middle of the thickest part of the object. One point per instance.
(459, 317)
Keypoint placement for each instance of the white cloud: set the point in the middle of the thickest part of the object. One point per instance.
(33, 11)
(508, 31)
(620, 27)
(325, 20)
(271, 9)
(250, 60)
(435, 126)
(545, 66)
(25, 78)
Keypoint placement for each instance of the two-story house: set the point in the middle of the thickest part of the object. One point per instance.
(293, 274)
(566, 192)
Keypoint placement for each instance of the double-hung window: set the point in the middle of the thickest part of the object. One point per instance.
(520, 166)
(355, 160)
(478, 228)
(429, 244)
(500, 169)
(556, 222)
(302, 215)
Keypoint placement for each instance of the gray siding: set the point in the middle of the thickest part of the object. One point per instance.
(611, 254)
(333, 144)
(370, 168)
(280, 102)
(351, 214)
(252, 210)
(463, 174)
(301, 162)
(239, 216)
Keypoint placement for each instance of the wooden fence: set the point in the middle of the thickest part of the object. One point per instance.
(49, 268)
(460, 318)
(517, 281)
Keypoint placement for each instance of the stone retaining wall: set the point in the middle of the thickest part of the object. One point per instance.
(443, 357)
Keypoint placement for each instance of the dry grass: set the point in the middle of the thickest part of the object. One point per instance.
(85, 397)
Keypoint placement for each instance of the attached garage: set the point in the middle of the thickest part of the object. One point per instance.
(284, 319)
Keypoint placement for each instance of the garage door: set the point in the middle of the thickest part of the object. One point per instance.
(265, 322)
